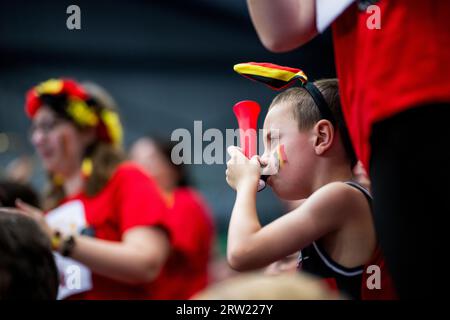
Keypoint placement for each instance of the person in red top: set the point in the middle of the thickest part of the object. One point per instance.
(395, 91)
(106, 218)
(192, 229)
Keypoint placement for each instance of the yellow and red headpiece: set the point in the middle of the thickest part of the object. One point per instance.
(68, 97)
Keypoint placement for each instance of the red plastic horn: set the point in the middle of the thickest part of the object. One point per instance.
(247, 113)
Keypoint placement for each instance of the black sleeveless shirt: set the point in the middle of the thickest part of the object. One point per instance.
(313, 259)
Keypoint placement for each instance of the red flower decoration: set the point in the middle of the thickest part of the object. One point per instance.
(69, 87)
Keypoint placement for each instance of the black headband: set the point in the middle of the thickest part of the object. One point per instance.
(320, 102)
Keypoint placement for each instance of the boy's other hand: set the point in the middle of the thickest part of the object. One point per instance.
(361, 176)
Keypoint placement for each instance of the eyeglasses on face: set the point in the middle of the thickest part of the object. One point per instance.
(45, 126)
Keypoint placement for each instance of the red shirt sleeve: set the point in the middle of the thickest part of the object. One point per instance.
(140, 202)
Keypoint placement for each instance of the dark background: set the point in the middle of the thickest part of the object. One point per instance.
(167, 63)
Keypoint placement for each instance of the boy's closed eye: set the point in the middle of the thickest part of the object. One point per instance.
(272, 138)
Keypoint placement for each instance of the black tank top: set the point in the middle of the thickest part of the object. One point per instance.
(313, 259)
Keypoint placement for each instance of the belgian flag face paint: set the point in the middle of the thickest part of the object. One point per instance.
(276, 161)
(281, 155)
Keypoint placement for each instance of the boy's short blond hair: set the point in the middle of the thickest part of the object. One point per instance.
(307, 114)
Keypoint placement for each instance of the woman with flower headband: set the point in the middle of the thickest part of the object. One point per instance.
(106, 218)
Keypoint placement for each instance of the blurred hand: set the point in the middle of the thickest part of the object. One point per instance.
(240, 170)
(35, 214)
(360, 175)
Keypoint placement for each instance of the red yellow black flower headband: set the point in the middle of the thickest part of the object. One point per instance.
(67, 97)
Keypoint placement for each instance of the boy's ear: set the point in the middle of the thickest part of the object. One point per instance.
(324, 136)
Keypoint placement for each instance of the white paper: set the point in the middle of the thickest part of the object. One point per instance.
(328, 10)
(75, 277)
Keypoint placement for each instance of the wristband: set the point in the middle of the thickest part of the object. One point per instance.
(56, 240)
(67, 246)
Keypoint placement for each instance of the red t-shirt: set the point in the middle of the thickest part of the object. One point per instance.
(400, 66)
(192, 232)
(130, 199)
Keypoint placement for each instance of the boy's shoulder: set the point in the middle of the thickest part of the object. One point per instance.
(345, 190)
(337, 199)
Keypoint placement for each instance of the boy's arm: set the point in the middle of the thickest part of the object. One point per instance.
(251, 246)
(283, 25)
(242, 175)
(244, 223)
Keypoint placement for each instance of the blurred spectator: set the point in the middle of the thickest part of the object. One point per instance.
(220, 270)
(20, 169)
(255, 286)
(106, 218)
(189, 220)
(10, 191)
(27, 267)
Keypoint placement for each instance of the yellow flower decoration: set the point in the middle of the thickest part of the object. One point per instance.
(113, 125)
(52, 86)
(86, 167)
(81, 113)
(58, 180)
